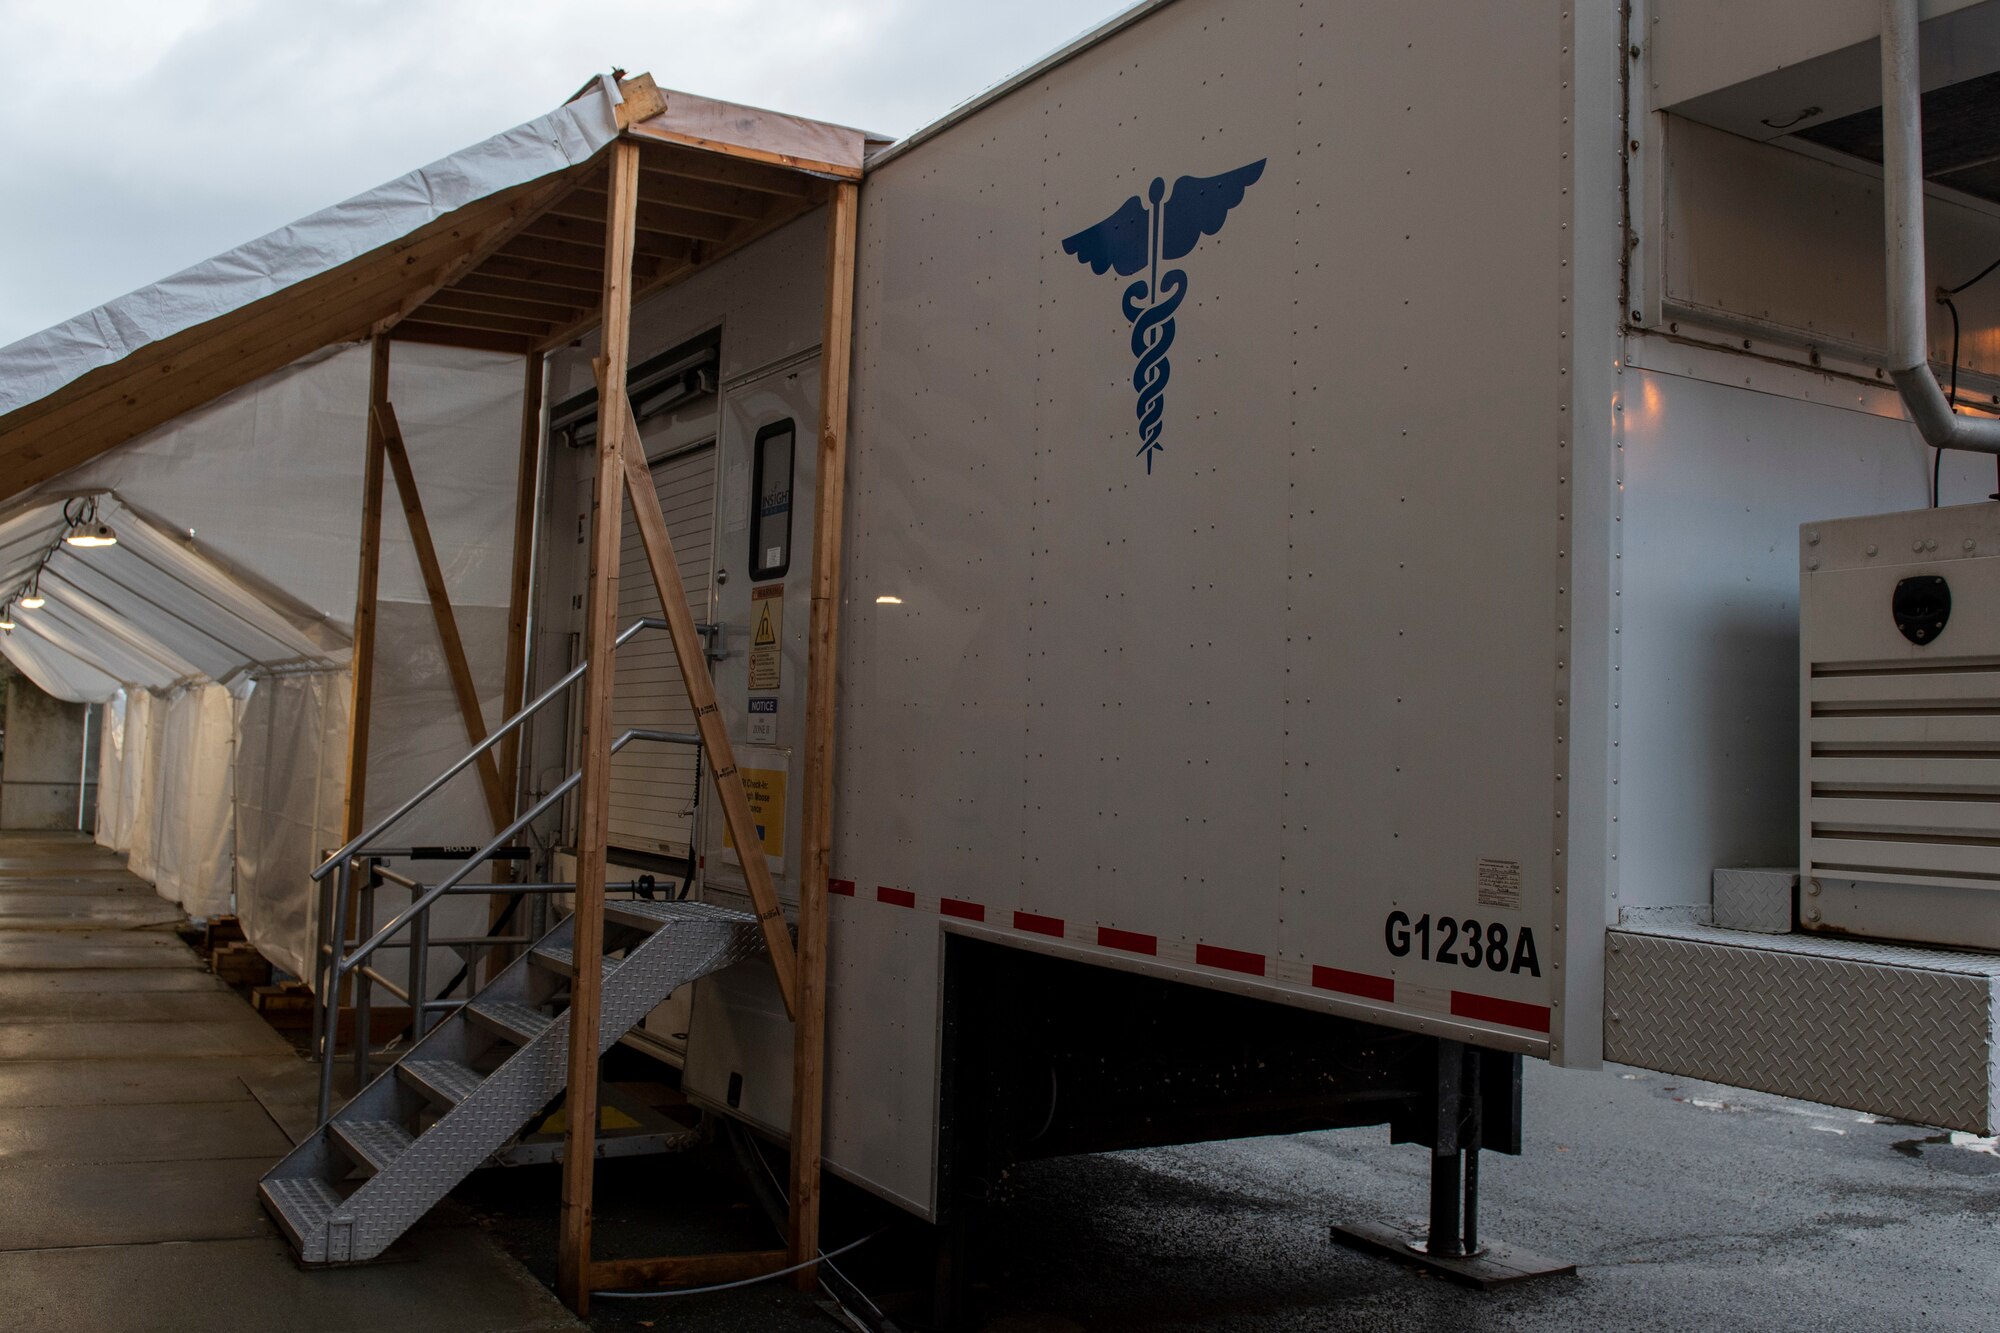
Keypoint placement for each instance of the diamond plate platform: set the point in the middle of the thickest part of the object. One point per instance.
(366, 1175)
(1889, 1029)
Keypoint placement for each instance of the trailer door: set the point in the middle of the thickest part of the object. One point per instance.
(653, 786)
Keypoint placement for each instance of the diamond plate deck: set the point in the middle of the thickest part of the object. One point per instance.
(526, 1053)
(1890, 1029)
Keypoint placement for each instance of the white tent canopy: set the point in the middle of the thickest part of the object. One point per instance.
(148, 612)
(226, 424)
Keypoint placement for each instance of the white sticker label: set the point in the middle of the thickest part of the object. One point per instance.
(1499, 883)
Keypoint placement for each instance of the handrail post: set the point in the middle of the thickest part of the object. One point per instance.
(331, 995)
(420, 955)
(323, 947)
(364, 987)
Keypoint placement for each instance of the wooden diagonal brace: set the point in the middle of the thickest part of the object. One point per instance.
(707, 716)
(498, 803)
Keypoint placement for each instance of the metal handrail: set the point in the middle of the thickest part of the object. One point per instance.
(504, 729)
(449, 882)
(335, 967)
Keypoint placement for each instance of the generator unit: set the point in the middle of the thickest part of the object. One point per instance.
(1899, 727)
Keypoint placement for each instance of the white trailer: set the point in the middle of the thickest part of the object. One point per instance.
(1323, 500)
(1379, 541)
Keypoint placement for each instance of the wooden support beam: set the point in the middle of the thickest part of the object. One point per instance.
(729, 201)
(553, 282)
(514, 683)
(520, 301)
(587, 261)
(373, 282)
(573, 1267)
(661, 219)
(741, 154)
(153, 388)
(484, 340)
(498, 804)
(445, 317)
(530, 207)
(527, 485)
(367, 581)
(666, 274)
(700, 687)
(693, 1270)
(667, 161)
(361, 666)
(823, 655)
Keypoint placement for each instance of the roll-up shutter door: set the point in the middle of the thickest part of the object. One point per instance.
(653, 785)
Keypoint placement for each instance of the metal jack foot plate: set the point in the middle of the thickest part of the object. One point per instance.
(1495, 1265)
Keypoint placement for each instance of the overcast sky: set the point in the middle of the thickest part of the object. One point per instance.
(144, 135)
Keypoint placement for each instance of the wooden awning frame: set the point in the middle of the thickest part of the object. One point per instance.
(518, 272)
(684, 182)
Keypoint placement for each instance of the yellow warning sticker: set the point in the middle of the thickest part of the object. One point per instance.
(767, 635)
(766, 789)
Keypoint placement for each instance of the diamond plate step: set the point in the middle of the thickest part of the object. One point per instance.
(560, 958)
(478, 1114)
(446, 1082)
(374, 1144)
(649, 914)
(517, 1022)
(300, 1203)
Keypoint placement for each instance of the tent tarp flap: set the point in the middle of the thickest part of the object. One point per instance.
(42, 363)
(193, 829)
(114, 827)
(291, 751)
(269, 483)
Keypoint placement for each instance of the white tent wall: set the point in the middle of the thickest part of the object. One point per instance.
(114, 819)
(193, 830)
(291, 755)
(145, 721)
(260, 493)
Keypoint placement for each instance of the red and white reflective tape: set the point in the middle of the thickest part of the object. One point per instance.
(1215, 957)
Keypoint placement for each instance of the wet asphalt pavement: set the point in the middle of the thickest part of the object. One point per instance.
(1684, 1205)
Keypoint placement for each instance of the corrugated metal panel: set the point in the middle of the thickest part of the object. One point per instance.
(653, 786)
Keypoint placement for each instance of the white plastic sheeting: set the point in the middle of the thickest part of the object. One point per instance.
(177, 780)
(41, 363)
(114, 820)
(149, 612)
(239, 529)
(224, 569)
(291, 752)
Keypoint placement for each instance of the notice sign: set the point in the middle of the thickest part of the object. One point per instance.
(1499, 883)
(767, 636)
(763, 721)
(766, 789)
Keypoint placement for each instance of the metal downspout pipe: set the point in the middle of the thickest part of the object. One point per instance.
(1903, 222)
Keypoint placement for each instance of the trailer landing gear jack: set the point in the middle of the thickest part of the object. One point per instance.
(1450, 1246)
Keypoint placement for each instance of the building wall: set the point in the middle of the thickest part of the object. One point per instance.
(45, 765)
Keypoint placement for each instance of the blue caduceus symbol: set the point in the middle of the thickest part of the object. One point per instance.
(1142, 235)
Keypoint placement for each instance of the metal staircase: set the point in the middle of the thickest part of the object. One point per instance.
(465, 1089)
(481, 1068)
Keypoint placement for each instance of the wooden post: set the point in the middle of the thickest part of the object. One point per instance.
(829, 510)
(514, 688)
(594, 791)
(499, 804)
(527, 483)
(700, 686)
(366, 582)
